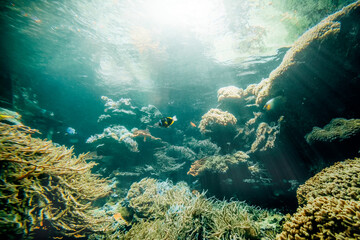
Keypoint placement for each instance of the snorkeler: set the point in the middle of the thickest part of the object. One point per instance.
(167, 121)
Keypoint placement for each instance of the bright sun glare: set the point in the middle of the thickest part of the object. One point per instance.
(183, 13)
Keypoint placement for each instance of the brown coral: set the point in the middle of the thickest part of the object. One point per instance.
(330, 205)
(324, 218)
(196, 167)
(42, 184)
(342, 180)
(217, 163)
(337, 130)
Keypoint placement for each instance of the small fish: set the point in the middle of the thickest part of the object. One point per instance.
(119, 217)
(2, 116)
(167, 121)
(70, 131)
(274, 103)
(192, 124)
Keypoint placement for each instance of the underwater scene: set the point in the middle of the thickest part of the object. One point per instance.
(191, 119)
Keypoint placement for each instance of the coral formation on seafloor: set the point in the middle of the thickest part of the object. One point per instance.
(43, 186)
(324, 218)
(161, 210)
(230, 92)
(122, 135)
(341, 180)
(338, 129)
(329, 205)
(124, 107)
(265, 136)
(217, 163)
(215, 118)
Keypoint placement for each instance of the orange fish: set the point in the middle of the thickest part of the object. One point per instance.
(117, 216)
(192, 124)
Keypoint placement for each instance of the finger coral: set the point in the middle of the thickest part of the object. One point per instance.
(46, 187)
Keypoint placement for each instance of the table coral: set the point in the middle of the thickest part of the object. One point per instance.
(46, 187)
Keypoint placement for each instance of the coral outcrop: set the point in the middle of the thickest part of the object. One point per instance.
(215, 118)
(122, 136)
(230, 92)
(324, 218)
(43, 186)
(338, 130)
(329, 205)
(217, 163)
(341, 180)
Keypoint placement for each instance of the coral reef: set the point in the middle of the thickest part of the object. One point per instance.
(217, 163)
(172, 158)
(197, 167)
(121, 135)
(202, 148)
(10, 116)
(265, 136)
(216, 118)
(342, 180)
(338, 129)
(124, 108)
(47, 187)
(329, 205)
(166, 211)
(324, 218)
(321, 35)
(230, 92)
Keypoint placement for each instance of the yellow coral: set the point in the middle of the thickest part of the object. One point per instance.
(46, 185)
(342, 180)
(324, 218)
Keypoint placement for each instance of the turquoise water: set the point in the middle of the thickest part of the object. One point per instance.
(63, 63)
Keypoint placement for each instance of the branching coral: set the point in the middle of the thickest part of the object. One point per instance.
(265, 136)
(338, 129)
(124, 107)
(216, 118)
(167, 211)
(196, 167)
(122, 135)
(44, 185)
